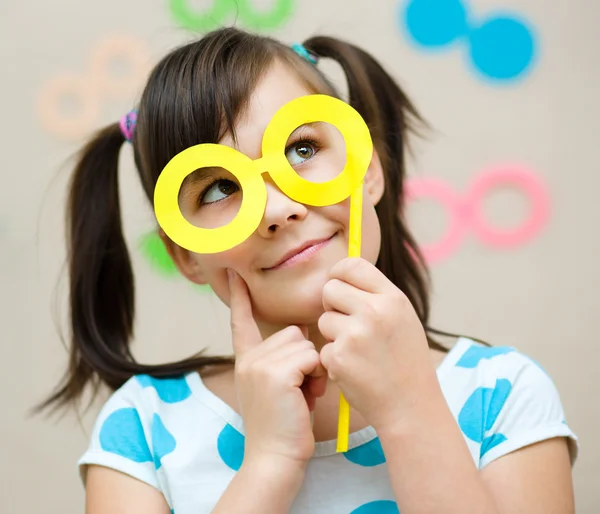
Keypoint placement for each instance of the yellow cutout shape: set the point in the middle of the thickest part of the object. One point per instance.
(248, 172)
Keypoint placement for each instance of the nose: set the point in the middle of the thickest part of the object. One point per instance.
(280, 211)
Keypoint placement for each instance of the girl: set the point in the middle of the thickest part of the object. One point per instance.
(473, 429)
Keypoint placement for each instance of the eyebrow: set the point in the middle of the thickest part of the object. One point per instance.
(199, 175)
(202, 174)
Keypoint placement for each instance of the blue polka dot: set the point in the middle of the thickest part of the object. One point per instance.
(163, 442)
(169, 390)
(482, 408)
(230, 446)
(435, 23)
(378, 507)
(489, 442)
(368, 454)
(475, 353)
(502, 48)
(122, 433)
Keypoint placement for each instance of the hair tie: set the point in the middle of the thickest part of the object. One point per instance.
(127, 124)
(300, 49)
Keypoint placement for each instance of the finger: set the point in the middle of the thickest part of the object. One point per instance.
(317, 382)
(311, 400)
(361, 274)
(300, 364)
(315, 385)
(304, 330)
(333, 324)
(343, 297)
(327, 359)
(277, 351)
(244, 330)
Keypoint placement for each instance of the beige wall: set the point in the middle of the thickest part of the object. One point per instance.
(540, 296)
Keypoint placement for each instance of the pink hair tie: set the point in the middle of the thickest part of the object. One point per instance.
(127, 124)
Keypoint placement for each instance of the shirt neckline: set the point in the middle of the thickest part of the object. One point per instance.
(322, 448)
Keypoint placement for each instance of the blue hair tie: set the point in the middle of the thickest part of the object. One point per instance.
(304, 53)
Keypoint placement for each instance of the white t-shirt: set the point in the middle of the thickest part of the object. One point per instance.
(180, 438)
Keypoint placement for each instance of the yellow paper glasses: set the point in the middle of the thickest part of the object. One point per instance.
(248, 172)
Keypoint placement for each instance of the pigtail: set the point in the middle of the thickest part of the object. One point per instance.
(101, 284)
(391, 117)
(101, 281)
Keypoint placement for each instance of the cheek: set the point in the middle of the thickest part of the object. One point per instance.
(370, 232)
(213, 268)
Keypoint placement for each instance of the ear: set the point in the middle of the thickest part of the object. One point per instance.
(183, 260)
(374, 179)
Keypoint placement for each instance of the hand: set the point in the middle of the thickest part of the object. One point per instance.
(277, 382)
(379, 355)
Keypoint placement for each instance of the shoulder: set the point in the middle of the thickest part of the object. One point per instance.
(130, 433)
(488, 364)
(143, 396)
(502, 399)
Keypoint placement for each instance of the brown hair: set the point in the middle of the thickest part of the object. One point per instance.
(194, 95)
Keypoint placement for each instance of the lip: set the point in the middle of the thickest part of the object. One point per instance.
(300, 253)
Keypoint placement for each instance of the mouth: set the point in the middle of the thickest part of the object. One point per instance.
(301, 253)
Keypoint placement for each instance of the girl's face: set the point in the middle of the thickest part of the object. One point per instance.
(286, 261)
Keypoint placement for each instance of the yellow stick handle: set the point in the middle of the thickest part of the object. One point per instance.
(354, 240)
(343, 425)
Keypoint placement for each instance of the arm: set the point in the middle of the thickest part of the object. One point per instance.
(110, 491)
(432, 470)
(257, 488)
(262, 487)
(380, 359)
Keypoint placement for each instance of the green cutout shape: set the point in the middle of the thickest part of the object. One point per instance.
(242, 10)
(154, 251)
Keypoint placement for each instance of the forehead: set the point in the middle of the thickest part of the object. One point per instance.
(279, 85)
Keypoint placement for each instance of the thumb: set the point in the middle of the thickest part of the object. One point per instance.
(244, 330)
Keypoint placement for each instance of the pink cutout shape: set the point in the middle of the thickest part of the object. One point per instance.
(465, 212)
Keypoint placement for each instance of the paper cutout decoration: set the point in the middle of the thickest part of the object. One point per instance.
(154, 252)
(248, 172)
(90, 87)
(242, 10)
(465, 211)
(156, 255)
(500, 48)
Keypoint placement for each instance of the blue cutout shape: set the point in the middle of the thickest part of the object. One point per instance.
(169, 390)
(377, 507)
(368, 454)
(122, 434)
(163, 442)
(489, 442)
(502, 48)
(435, 23)
(482, 408)
(475, 353)
(230, 445)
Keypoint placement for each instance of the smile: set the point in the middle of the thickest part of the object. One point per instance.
(300, 254)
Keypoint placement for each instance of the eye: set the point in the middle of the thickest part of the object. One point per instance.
(219, 190)
(300, 152)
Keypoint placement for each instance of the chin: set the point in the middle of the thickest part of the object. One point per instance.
(296, 301)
